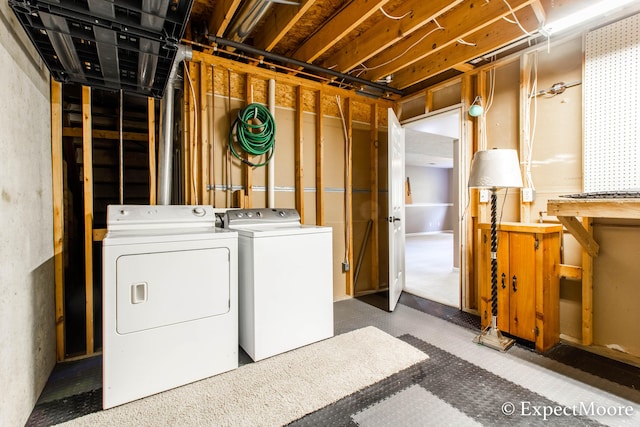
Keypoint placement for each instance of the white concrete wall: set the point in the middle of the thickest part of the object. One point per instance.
(27, 323)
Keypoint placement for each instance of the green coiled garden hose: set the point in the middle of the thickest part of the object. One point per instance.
(255, 132)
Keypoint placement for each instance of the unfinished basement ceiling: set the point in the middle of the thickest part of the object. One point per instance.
(403, 44)
(378, 47)
(110, 44)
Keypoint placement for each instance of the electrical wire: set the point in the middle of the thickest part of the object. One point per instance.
(482, 143)
(461, 41)
(530, 128)
(194, 165)
(364, 68)
(347, 147)
(515, 18)
(255, 139)
(397, 18)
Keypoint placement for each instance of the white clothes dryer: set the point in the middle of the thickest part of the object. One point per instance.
(169, 299)
(285, 280)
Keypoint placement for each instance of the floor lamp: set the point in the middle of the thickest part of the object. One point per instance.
(493, 170)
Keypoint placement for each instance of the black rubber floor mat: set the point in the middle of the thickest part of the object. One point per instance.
(451, 314)
(66, 409)
(473, 391)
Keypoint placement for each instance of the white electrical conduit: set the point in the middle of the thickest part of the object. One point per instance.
(271, 168)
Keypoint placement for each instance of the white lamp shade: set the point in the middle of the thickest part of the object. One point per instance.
(497, 168)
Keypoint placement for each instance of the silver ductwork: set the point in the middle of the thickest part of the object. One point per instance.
(184, 53)
(246, 19)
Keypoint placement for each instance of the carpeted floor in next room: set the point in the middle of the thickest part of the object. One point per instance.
(460, 384)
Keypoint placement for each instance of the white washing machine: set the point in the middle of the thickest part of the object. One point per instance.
(285, 280)
(170, 289)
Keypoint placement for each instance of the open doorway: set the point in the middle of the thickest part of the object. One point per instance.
(432, 207)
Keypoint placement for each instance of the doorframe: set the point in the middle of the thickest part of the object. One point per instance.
(462, 153)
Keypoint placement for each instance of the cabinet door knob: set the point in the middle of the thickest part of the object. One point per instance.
(514, 282)
(502, 280)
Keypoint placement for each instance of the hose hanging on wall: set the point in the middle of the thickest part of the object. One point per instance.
(255, 131)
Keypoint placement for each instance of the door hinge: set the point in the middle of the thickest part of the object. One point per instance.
(536, 331)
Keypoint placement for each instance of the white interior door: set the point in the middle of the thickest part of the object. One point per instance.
(395, 215)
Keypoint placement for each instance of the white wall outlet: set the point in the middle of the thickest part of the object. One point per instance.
(527, 195)
(484, 195)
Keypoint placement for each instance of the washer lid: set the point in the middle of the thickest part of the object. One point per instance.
(273, 230)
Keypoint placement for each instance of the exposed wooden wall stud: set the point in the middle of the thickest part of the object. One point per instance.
(87, 167)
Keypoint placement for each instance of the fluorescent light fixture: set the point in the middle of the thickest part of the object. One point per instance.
(583, 15)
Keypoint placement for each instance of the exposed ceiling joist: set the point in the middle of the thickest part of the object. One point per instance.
(452, 27)
(388, 32)
(484, 42)
(345, 21)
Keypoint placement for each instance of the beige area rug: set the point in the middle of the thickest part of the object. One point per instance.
(274, 391)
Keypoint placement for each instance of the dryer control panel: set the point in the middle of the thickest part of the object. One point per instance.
(139, 217)
(243, 217)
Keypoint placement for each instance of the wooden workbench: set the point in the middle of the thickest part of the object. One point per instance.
(568, 210)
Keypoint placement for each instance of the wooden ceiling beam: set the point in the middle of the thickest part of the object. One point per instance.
(500, 34)
(456, 24)
(336, 28)
(279, 22)
(387, 32)
(222, 15)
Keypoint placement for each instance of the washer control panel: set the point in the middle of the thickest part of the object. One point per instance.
(239, 217)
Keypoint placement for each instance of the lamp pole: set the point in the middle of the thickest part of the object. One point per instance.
(493, 169)
(491, 336)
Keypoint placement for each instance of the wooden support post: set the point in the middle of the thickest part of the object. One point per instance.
(211, 103)
(299, 154)
(525, 132)
(319, 160)
(483, 211)
(469, 292)
(375, 208)
(151, 120)
(587, 288)
(349, 192)
(205, 147)
(87, 167)
(428, 105)
(57, 178)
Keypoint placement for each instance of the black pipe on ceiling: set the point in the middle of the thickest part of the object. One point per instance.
(311, 67)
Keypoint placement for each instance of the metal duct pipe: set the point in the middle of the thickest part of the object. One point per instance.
(246, 19)
(311, 67)
(165, 151)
